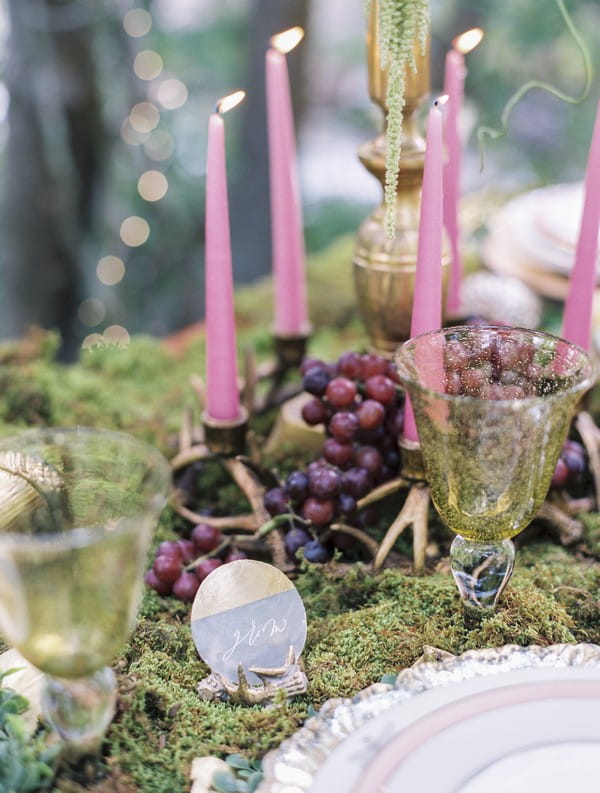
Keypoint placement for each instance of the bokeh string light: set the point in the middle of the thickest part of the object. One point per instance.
(140, 128)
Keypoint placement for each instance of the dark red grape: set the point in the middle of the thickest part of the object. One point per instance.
(456, 357)
(206, 538)
(316, 465)
(370, 414)
(316, 552)
(372, 365)
(356, 481)
(296, 486)
(314, 412)
(370, 458)
(324, 483)
(276, 501)
(295, 539)
(474, 380)
(391, 372)
(343, 426)
(381, 388)
(185, 587)
(169, 548)
(161, 587)
(350, 365)
(188, 551)
(205, 567)
(337, 453)
(167, 568)
(315, 380)
(561, 474)
(341, 392)
(318, 512)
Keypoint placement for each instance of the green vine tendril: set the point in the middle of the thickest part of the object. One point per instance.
(551, 89)
(401, 23)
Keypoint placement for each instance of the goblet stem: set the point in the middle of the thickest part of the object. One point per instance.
(481, 569)
(81, 709)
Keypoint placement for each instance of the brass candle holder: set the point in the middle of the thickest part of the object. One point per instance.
(290, 350)
(384, 268)
(226, 438)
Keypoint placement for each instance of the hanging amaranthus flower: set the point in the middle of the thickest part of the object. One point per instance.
(401, 23)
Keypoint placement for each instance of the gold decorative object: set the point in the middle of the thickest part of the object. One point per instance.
(384, 268)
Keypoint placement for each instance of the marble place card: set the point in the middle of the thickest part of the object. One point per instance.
(249, 614)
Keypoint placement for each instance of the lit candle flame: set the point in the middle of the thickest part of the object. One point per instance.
(441, 100)
(286, 41)
(229, 102)
(468, 40)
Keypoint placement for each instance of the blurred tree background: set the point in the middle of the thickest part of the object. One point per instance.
(104, 107)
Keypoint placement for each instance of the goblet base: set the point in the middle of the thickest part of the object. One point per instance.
(481, 570)
(81, 709)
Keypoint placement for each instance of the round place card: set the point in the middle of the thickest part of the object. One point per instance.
(247, 613)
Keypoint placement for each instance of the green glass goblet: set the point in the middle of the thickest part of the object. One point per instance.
(77, 511)
(492, 407)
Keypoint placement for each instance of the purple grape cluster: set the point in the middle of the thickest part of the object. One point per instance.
(168, 574)
(360, 404)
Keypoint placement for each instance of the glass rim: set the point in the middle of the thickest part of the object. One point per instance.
(77, 535)
(583, 385)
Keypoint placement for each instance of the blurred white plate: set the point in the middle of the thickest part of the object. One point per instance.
(522, 719)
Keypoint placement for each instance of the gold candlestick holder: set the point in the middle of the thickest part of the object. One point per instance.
(290, 350)
(384, 268)
(226, 438)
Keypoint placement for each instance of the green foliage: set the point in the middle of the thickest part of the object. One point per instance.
(26, 765)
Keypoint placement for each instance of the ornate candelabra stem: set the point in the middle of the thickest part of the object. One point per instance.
(384, 269)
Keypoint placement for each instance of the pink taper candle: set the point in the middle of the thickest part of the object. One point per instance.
(454, 84)
(577, 322)
(427, 301)
(287, 237)
(222, 395)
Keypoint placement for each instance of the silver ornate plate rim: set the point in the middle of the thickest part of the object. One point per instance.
(292, 767)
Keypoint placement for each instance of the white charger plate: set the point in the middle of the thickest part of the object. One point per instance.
(463, 726)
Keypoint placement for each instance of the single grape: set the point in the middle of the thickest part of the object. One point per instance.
(310, 363)
(316, 552)
(188, 551)
(316, 380)
(372, 365)
(474, 380)
(318, 512)
(370, 414)
(391, 458)
(167, 568)
(336, 453)
(345, 503)
(374, 437)
(276, 501)
(356, 481)
(456, 357)
(574, 455)
(205, 567)
(560, 476)
(161, 587)
(370, 458)
(391, 372)
(296, 486)
(395, 422)
(343, 426)
(205, 538)
(350, 365)
(234, 555)
(185, 587)
(314, 412)
(295, 539)
(324, 483)
(316, 465)
(381, 388)
(341, 392)
(169, 548)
